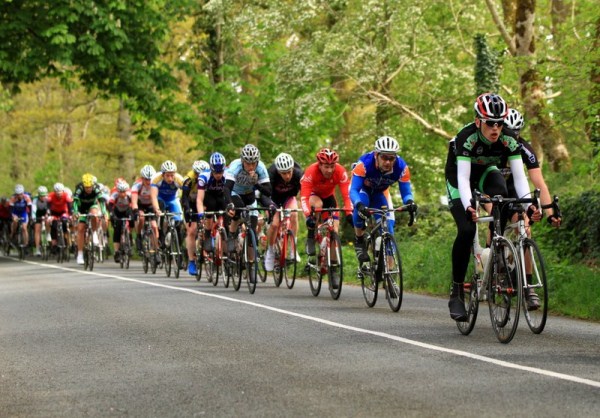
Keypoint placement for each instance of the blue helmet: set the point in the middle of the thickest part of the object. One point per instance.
(217, 162)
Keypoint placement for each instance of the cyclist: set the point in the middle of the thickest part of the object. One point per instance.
(39, 212)
(5, 217)
(141, 203)
(372, 177)
(189, 192)
(211, 197)
(245, 175)
(60, 207)
(515, 123)
(473, 165)
(20, 208)
(119, 207)
(87, 200)
(317, 187)
(165, 185)
(285, 175)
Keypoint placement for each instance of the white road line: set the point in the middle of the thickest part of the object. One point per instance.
(432, 347)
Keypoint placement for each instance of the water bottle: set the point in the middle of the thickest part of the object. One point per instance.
(377, 244)
(168, 239)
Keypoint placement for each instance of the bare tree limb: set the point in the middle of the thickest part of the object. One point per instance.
(385, 99)
(507, 38)
(462, 40)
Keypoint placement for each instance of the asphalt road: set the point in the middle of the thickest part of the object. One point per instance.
(121, 343)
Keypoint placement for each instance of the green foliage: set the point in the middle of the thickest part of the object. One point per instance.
(578, 238)
(486, 67)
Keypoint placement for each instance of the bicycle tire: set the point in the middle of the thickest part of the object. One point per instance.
(199, 255)
(470, 288)
(536, 319)
(126, 247)
(277, 263)
(315, 278)
(235, 270)
(504, 290)
(393, 278)
(367, 276)
(289, 258)
(335, 266)
(176, 253)
(21, 243)
(220, 245)
(250, 265)
(145, 258)
(168, 257)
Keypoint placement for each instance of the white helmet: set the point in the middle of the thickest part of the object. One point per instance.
(250, 154)
(19, 189)
(200, 166)
(147, 171)
(122, 186)
(168, 166)
(59, 187)
(387, 144)
(42, 190)
(284, 162)
(514, 120)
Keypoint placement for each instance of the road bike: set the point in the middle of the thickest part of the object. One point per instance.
(246, 249)
(214, 259)
(150, 254)
(385, 263)
(124, 252)
(494, 275)
(45, 239)
(172, 252)
(328, 260)
(285, 250)
(20, 243)
(61, 250)
(91, 251)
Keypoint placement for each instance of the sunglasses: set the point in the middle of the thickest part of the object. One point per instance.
(387, 158)
(493, 123)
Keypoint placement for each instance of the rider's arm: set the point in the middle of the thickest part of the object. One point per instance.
(200, 200)
(464, 180)
(227, 188)
(537, 178)
(358, 179)
(405, 185)
(305, 192)
(344, 186)
(518, 172)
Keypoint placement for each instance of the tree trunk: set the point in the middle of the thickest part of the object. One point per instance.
(547, 140)
(127, 158)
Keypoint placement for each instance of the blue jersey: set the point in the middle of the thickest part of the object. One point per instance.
(244, 183)
(367, 177)
(167, 191)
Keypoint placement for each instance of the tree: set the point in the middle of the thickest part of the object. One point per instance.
(114, 47)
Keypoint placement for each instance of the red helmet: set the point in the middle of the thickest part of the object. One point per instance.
(490, 106)
(327, 156)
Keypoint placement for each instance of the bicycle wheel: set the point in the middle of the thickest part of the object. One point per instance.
(234, 270)
(220, 257)
(278, 261)
(250, 254)
(168, 256)
(289, 259)
(125, 248)
(368, 279)
(199, 255)
(315, 278)
(145, 255)
(335, 266)
(504, 290)
(21, 243)
(154, 260)
(260, 264)
(392, 273)
(536, 318)
(176, 254)
(470, 288)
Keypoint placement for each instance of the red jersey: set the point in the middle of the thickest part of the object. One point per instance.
(314, 183)
(5, 211)
(59, 206)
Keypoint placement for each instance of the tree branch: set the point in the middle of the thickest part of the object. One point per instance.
(507, 38)
(385, 99)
